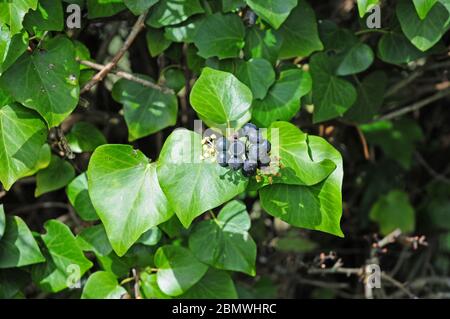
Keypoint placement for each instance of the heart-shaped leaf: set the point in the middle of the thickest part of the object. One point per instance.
(22, 134)
(102, 285)
(317, 207)
(46, 80)
(191, 184)
(283, 99)
(220, 99)
(178, 270)
(125, 192)
(332, 96)
(224, 242)
(146, 110)
(258, 75)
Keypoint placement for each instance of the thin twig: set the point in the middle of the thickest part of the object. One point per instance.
(363, 142)
(137, 292)
(398, 284)
(127, 76)
(430, 170)
(138, 26)
(415, 106)
(403, 83)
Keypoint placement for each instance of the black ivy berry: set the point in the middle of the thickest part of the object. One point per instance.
(237, 148)
(235, 163)
(249, 168)
(222, 159)
(222, 144)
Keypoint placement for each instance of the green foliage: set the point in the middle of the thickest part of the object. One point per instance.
(180, 224)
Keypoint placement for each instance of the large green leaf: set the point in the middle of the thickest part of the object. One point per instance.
(170, 12)
(57, 175)
(220, 35)
(371, 93)
(78, 194)
(156, 42)
(365, 6)
(298, 168)
(192, 185)
(46, 81)
(220, 99)
(85, 137)
(423, 7)
(265, 44)
(64, 259)
(178, 270)
(146, 110)
(283, 99)
(139, 6)
(275, 12)
(12, 46)
(224, 242)
(332, 96)
(257, 74)
(397, 139)
(427, 32)
(215, 284)
(394, 211)
(317, 207)
(102, 285)
(22, 134)
(13, 12)
(299, 33)
(149, 287)
(48, 16)
(395, 48)
(17, 246)
(125, 192)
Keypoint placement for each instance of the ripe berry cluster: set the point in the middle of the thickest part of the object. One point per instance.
(246, 149)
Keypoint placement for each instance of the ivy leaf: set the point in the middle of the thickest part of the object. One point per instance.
(139, 6)
(178, 270)
(46, 81)
(220, 99)
(332, 96)
(78, 194)
(146, 110)
(299, 33)
(395, 48)
(44, 159)
(22, 134)
(156, 42)
(125, 192)
(273, 11)
(224, 242)
(12, 46)
(257, 74)
(265, 44)
(365, 6)
(283, 99)
(394, 211)
(85, 137)
(215, 284)
(64, 258)
(298, 168)
(104, 8)
(2, 221)
(396, 139)
(17, 246)
(57, 175)
(48, 16)
(170, 12)
(220, 35)
(102, 285)
(371, 93)
(94, 239)
(192, 185)
(13, 12)
(423, 33)
(423, 7)
(317, 207)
